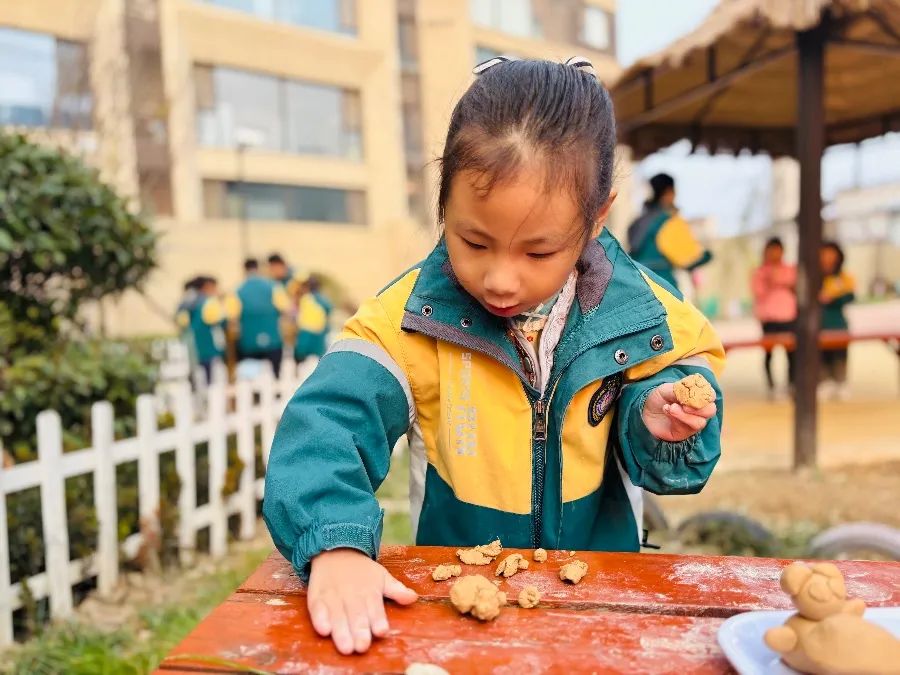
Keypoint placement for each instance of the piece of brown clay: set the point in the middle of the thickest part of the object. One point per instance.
(472, 556)
(529, 597)
(573, 571)
(828, 635)
(493, 549)
(445, 571)
(540, 555)
(511, 564)
(694, 391)
(477, 596)
(480, 555)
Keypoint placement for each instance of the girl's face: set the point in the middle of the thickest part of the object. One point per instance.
(828, 258)
(774, 254)
(515, 246)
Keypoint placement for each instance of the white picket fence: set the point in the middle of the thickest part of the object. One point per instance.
(227, 409)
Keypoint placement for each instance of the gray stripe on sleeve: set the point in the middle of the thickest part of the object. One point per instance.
(381, 357)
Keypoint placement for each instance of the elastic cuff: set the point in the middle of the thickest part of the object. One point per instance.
(672, 452)
(336, 535)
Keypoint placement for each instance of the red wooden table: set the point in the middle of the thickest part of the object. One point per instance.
(632, 613)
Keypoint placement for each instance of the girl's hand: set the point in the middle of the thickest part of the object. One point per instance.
(670, 421)
(346, 598)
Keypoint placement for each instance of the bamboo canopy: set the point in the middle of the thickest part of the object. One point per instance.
(785, 77)
(732, 83)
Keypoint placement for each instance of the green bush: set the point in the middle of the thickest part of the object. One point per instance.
(65, 238)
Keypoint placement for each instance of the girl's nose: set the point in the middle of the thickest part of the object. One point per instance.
(501, 280)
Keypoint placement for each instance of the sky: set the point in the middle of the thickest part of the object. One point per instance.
(735, 191)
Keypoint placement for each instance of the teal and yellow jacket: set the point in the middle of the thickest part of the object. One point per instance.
(491, 456)
(313, 312)
(259, 303)
(202, 323)
(662, 241)
(838, 291)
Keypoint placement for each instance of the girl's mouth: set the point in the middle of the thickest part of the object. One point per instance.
(506, 312)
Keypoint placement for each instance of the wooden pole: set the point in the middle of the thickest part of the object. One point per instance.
(810, 145)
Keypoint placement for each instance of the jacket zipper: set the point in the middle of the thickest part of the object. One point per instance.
(539, 426)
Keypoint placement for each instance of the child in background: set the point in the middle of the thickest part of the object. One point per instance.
(529, 360)
(313, 313)
(774, 301)
(838, 290)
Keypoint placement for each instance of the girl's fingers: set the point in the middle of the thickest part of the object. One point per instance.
(667, 391)
(377, 618)
(340, 628)
(706, 412)
(358, 618)
(694, 422)
(397, 592)
(320, 616)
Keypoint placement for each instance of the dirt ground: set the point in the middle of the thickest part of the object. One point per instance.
(782, 499)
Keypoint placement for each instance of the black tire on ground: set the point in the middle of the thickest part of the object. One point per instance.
(732, 533)
(848, 541)
(654, 517)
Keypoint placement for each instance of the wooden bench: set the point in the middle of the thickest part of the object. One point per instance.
(632, 613)
(828, 339)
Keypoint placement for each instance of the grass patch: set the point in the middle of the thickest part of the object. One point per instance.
(394, 497)
(396, 483)
(78, 649)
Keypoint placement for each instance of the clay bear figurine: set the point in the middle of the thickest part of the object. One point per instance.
(827, 635)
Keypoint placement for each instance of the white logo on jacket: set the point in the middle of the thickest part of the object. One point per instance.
(465, 415)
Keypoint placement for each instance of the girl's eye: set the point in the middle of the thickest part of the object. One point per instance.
(542, 256)
(473, 245)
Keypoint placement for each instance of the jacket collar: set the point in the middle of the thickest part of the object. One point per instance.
(612, 300)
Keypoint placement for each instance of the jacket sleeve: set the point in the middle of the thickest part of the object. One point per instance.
(659, 466)
(333, 445)
(679, 246)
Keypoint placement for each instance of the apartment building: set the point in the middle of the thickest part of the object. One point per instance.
(243, 127)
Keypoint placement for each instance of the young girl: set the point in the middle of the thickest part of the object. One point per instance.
(837, 292)
(313, 313)
(660, 238)
(530, 361)
(774, 301)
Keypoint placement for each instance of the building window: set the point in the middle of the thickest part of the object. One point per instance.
(597, 29)
(407, 42)
(236, 107)
(266, 201)
(44, 81)
(508, 16)
(336, 16)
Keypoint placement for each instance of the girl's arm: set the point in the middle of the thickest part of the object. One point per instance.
(759, 282)
(333, 445)
(661, 466)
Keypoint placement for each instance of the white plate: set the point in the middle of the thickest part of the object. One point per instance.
(741, 638)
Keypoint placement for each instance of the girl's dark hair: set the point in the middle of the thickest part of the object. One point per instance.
(774, 241)
(519, 111)
(834, 246)
(660, 183)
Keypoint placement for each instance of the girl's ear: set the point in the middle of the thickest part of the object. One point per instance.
(603, 214)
